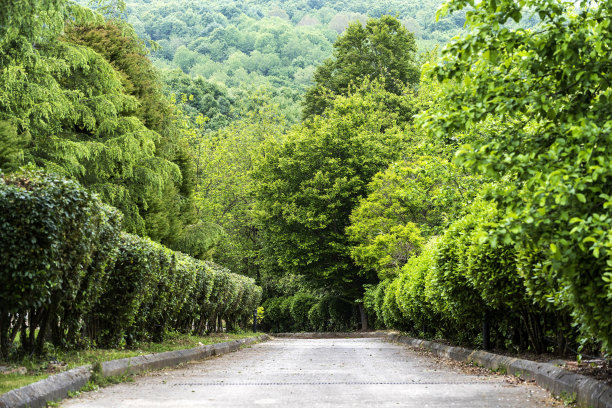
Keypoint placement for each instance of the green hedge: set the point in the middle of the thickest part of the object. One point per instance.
(154, 290)
(71, 278)
(56, 242)
(304, 312)
(467, 275)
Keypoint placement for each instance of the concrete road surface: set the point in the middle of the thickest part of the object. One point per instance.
(317, 373)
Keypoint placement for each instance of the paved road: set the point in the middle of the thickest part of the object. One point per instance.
(317, 373)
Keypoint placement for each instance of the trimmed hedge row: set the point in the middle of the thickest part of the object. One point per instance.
(304, 312)
(71, 278)
(464, 278)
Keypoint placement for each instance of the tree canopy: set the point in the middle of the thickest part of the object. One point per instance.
(383, 50)
(308, 188)
(82, 91)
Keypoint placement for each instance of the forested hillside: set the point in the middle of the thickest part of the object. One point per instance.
(240, 46)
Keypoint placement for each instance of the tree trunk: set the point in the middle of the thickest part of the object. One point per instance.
(364, 318)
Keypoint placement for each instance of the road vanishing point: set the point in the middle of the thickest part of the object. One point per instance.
(291, 372)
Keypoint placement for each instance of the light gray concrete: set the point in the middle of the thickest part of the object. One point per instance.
(587, 392)
(317, 373)
(58, 386)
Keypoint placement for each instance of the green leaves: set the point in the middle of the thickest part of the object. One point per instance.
(57, 241)
(410, 201)
(382, 51)
(308, 188)
(547, 90)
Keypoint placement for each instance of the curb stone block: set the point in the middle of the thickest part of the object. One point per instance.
(57, 387)
(50, 389)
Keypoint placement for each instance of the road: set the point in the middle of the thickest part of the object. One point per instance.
(318, 373)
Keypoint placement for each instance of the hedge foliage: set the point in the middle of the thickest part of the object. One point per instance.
(71, 278)
(305, 312)
(465, 276)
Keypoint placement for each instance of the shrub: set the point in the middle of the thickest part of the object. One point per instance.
(391, 314)
(299, 309)
(55, 243)
(411, 297)
(278, 314)
(342, 315)
(131, 284)
(318, 316)
(66, 267)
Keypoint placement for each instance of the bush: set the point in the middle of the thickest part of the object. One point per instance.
(449, 291)
(318, 316)
(66, 267)
(412, 288)
(56, 241)
(467, 275)
(342, 314)
(198, 307)
(299, 309)
(278, 314)
(135, 274)
(391, 314)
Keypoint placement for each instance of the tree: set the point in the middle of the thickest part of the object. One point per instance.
(383, 50)
(409, 202)
(11, 147)
(96, 116)
(549, 90)
(309, 187)
(226, 188)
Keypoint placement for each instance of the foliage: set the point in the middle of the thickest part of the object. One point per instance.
(549, 90)
(70, 272)
(225, 193)
(300, 306)
(463, 277)
(277, 318)
(413, 287)
(11, 147)
(383, 50)
(57, 242)
(407, 203)
(206, 98)
(239, 47)
(89, 102)
(305, 312)
(153, 290)
(308, 188)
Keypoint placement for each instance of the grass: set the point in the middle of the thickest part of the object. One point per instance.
(11, 381)
(38, 368)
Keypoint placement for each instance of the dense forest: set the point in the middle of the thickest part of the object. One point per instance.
(239, 47)
(423, 166)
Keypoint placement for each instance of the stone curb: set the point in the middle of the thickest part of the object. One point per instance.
(588, 392)
(56, 387)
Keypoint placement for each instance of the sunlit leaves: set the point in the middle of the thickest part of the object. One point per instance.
(548, 90)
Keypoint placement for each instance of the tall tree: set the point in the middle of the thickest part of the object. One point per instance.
(308, 188)
(383, 50)
(409, 202)
(549, 89)
(83, 111)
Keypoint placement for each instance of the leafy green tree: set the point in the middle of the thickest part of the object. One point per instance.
(11, 147)
(226, 188)
(409, 202)
(549, 90)
(97, 116)
(382, 50)
(309, 187)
